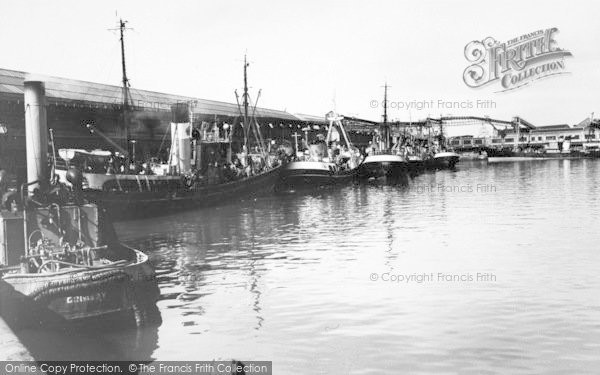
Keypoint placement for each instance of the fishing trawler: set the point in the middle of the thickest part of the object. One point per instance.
(383, 160)
(205, 166)
(183, 182)
(429, 152)
(443, 160)
(442, 157)
(325, 163)
(415, 163)
(60, 259)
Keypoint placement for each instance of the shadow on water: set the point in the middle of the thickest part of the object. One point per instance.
(104, 342)
(401, 179)
(184, 269)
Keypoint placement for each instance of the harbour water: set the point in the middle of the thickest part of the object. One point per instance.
(492, 268)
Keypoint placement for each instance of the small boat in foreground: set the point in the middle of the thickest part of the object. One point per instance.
(61, 260)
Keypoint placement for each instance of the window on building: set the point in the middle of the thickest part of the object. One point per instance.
(496, 140)
(550, 137)
(479, 141)
(575, 136)
(467, 142)
(509, 139)
(539, 138)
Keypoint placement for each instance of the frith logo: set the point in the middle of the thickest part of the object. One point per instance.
(515, 63)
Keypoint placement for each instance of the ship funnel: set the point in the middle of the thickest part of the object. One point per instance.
(181, 147)
(36, 134)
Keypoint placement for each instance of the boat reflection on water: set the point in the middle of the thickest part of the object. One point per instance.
(91, 342)
(397, 179)
(48, 336)
(189, 252)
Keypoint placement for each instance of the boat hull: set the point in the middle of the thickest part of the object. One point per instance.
(127, 289)
(415, 164)
(472, 156)
(444, 160)
(378, 166)
(312, 175)
(135, 196)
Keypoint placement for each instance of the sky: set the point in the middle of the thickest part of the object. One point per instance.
(312, 56)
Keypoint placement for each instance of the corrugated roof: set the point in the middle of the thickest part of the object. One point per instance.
(311, 118)
(64, 89)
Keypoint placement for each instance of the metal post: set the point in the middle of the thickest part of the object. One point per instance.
(296, 135)
(518, 133)
(133, 141)
(36, 134)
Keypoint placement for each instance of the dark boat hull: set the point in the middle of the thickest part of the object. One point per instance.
(392, 170)
(129, 204)
(306, 176)
(415, 165)
(445, 160)
(379, 166)
(88, 294)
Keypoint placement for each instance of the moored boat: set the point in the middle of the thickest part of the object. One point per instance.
(310, 174)
(445, 159)
(130, 196)
(205, 166)
(382, 165)
(326, 163)
(415, 163)
(61, 260)
(382, 160)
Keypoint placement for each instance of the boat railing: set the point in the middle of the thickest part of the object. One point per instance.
(214, 138)
(386, 152)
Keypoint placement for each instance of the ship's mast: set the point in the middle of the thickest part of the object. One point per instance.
(246, 121)
(125, 81)
(385, 118)
(249, 120)
(385, 133)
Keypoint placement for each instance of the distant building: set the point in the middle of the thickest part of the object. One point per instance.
(583, 135)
